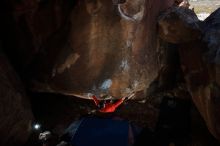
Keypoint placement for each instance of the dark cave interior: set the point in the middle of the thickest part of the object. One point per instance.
(56, 54)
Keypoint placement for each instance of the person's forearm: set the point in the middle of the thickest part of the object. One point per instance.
(95, 100)
(118, 103)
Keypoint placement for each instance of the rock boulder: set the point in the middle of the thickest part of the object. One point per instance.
(15, 112)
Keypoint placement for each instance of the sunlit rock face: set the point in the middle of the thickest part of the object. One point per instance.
(199, 62)
(105, 48)
(15, 113)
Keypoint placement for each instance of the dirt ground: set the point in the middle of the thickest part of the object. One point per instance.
(205, 6)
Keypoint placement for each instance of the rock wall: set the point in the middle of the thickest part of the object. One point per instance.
(104, 48)
(27, 25)
(198, 49)
(15, 112)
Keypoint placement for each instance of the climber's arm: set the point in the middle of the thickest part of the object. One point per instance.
(95, 100)
(118, 103)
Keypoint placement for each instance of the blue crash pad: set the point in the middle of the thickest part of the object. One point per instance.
(100, 132)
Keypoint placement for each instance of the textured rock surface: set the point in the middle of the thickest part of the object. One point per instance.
(200, 65)
(15, 112)
(179, 25)
(207, 94)
(110, 49)
(30, 24)
(81, 47)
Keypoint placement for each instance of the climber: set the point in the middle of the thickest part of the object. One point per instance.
(109, 106)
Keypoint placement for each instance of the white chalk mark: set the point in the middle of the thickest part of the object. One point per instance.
(106, 84)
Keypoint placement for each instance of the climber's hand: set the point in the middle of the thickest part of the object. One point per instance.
(128, 97)
(44, 136)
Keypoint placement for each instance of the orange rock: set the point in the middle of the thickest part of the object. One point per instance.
(107, 49)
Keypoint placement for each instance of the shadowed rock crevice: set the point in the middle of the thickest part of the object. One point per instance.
(199, 59)
(15, 110)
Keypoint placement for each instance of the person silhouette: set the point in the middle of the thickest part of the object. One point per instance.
(109, 106)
